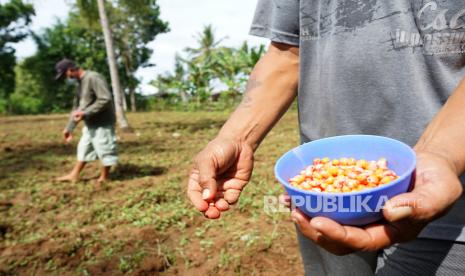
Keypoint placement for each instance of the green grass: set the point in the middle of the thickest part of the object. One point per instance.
(140, 222)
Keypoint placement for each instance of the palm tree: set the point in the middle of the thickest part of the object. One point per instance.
(87, 7)
(115, 82)
(207, 43)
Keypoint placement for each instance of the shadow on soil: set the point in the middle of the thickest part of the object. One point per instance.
(129, 171)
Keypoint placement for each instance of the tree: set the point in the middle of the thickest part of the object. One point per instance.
(207, 42)
(64, 39)
(82, 40)
(15, 15)
(207, 63)
(134, 23)
(115, 83)
(234, 65)
(27, 98)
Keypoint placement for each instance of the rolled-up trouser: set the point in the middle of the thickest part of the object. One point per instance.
(98, 143)
(422, 257)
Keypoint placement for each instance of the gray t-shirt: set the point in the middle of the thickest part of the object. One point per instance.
(373, 67)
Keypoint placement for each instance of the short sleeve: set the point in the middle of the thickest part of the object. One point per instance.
(277, 20)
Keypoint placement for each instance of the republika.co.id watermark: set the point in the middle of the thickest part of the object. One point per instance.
(327, 204)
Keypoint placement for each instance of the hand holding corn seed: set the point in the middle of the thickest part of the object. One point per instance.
(220, 172)
(435, 189)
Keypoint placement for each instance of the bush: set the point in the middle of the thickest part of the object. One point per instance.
(174, 102)
(3, 106)
(21, 104)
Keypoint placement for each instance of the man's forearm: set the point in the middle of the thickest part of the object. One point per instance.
(71, 125)
(270, 91)
(445, 135)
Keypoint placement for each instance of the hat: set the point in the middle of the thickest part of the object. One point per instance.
(62, 66)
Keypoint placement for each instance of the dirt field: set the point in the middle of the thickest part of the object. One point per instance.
(141, 222)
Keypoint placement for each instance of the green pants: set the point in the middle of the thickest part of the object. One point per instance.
(98, 143)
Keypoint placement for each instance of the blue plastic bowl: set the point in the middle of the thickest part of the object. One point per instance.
(352, 208)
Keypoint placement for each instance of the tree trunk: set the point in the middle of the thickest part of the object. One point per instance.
(115, 83)
(132, 95)
(125, 104)
(184, 96)
(127, 66)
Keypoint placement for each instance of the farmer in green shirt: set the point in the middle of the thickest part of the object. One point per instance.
(93, 104)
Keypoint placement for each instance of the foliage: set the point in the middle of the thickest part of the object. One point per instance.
(25, 99)
(15, 15)
(209, 72)
(81, 40)
(36, 73)
(134, 24)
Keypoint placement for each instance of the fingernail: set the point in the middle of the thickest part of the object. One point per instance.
(398, 213)
(205, 193)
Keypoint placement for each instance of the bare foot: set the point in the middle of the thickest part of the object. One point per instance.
(100, 183)
(102, 180)
(68, 178)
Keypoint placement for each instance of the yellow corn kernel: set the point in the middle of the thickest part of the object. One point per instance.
(333, 171)
(351, 162)
(305, 185)
(329, 180)
(314, 183)
(361, 177)
(325, 174)
(298, 179)
(351, 183)
(362, 163)
(385, 180)
(343, 161)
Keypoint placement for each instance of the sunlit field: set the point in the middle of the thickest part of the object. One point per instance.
(141, 222)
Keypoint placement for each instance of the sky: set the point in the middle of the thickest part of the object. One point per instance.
(231, 21)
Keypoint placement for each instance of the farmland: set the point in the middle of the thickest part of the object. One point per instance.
(139, 223)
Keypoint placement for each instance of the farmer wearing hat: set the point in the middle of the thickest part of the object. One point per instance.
(93, 104)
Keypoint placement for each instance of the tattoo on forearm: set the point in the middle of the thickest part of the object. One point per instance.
(247, 98)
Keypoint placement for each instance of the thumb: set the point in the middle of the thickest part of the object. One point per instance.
(207, 175)
(406, 205)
